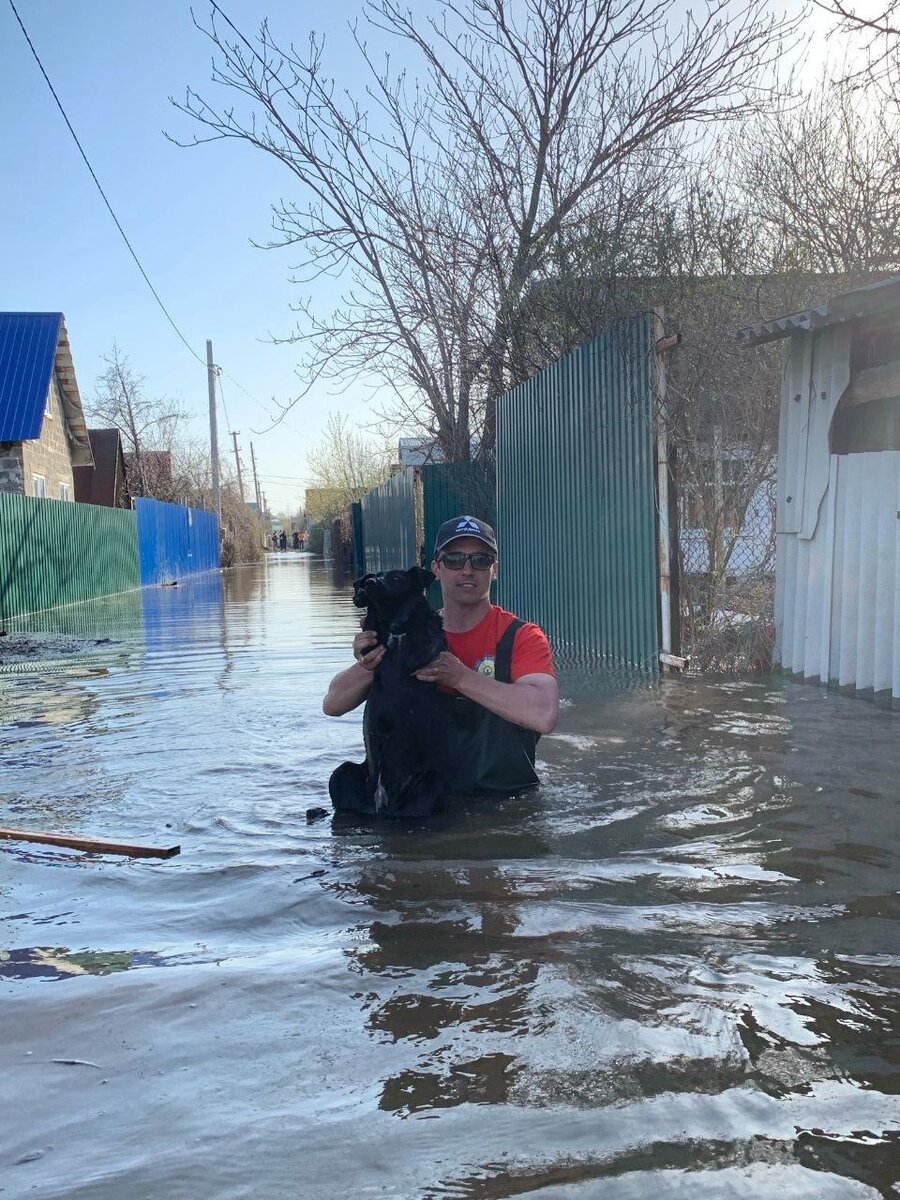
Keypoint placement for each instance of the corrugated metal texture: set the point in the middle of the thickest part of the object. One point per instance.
(175, 541)
(389, 524)
(53, 553)
(453, 489)
(576, 505)
(359, 546)
(27, 352)
(875, 298)
(839, 591)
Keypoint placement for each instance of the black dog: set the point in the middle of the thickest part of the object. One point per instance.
(406, 769)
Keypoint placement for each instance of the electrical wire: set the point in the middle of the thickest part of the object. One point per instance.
(229, 21)
(118, 224)
(87, 163)
(221, 392)
(285, 479)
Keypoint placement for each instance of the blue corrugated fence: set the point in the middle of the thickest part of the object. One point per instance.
(174, 541)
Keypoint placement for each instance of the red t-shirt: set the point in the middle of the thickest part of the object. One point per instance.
(475, 648)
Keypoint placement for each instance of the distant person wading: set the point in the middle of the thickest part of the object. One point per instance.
(497, 680)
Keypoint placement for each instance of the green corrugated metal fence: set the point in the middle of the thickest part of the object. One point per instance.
(54, 553)
(576, 498)
(389, 524)
(359, 547)
(453, 489)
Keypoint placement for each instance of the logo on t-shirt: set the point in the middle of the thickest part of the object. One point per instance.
(485, 666)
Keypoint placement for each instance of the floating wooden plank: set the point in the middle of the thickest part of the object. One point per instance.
(91, 845)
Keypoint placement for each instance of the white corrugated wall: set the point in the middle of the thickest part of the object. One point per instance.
(837, 597)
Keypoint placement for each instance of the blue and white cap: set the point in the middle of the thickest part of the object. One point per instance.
(464, 527)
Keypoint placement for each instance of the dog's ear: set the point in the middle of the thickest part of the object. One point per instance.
(421, 578)
(361, 591)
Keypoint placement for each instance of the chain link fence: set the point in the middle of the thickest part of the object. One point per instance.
(727, 555)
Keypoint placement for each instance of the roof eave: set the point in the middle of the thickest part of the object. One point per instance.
(876, 299)
(82, 455)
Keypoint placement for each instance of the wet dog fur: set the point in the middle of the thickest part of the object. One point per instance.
(406, 765)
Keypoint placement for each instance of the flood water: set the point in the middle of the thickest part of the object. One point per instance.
(672, 972)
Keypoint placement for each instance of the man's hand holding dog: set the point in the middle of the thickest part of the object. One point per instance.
(531, 701)
(445, 670)
(366, 650)
(350, 687)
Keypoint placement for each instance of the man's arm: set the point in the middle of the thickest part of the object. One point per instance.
(532, 701)
(350, 687)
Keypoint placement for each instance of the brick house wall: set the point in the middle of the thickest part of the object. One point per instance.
(49, 455)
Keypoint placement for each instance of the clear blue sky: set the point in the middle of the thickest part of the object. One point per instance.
(190, 213)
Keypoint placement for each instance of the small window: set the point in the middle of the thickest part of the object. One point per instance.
(48, 407)
(39, 484)
(63, 491)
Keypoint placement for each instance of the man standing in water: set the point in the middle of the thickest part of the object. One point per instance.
(497, 676)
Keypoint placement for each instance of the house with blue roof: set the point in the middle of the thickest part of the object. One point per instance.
(43, 433)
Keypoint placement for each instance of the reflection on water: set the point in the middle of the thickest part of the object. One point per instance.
(58, 962)
(671, 971)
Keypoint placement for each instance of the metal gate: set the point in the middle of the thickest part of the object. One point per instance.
(584, 544)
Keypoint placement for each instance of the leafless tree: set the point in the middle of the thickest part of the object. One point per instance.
(823, 178)
(439, 197)
(343, 466)
(163, 462)
(149, 425)
(346, 463)
(880, 36)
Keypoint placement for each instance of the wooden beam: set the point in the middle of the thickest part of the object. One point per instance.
(674, 660)
(92, 845)
(875, 383)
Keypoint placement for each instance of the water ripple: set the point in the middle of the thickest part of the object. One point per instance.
(673, 969)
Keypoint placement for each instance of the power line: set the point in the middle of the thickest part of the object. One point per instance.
(118, 224)
(285, 479)
(222, 395)
(131, 249)
(229, 21)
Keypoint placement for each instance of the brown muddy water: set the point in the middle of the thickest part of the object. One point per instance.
(672, 972)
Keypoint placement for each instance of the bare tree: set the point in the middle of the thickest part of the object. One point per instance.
(149, 425)
(440, 198)
(343, 466)
(823, 178)
(880, 36)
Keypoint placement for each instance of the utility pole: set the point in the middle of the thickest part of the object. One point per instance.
(213, 431)
(237, 459)
(256, 480)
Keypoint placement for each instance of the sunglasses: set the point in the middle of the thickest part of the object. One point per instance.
(456, 560)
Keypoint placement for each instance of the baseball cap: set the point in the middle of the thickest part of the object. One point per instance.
(460, 527)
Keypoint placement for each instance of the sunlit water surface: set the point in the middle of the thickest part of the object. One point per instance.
(672, 972)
